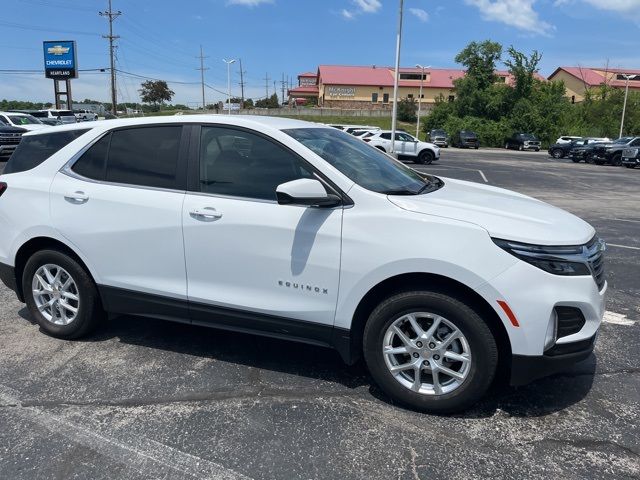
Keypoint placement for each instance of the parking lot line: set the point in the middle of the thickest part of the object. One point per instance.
(483, 176)
(622, 246)
(617, 319)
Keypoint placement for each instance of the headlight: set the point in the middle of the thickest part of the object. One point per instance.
(565, 261)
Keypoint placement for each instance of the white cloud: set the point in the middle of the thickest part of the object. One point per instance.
(515, 13)
(347, 14)
(248, 3)
(420, 14)
(361, 6)
(622, 6)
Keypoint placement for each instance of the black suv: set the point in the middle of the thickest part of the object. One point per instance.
(465, 139)
(631, 157)
(439, 137)
(605, 152)
(522, 141)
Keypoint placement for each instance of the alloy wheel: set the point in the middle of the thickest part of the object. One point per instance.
(426, 353)
(55, 294)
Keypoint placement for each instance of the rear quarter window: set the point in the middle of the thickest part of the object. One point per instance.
(35, 149)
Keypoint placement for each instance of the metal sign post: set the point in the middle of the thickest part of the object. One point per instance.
(60, 64)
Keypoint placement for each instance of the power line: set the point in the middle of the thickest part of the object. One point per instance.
(202, 69)
(111, 15)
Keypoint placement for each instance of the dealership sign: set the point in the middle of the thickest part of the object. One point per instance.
(60, 60)
(341, 91)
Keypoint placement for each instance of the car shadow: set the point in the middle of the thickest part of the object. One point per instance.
(543, 397)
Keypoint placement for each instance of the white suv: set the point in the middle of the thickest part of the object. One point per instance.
(294, 230)
(407, 147)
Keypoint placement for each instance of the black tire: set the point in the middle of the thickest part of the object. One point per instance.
(507, 146)
(520, 148)
(557, 153)
(482, 345)
(476, 148)
(616, 161)
(598, 162)
(89, 312)
(576, 160)
(425, 157)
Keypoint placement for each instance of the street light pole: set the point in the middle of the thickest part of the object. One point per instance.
(394, 111)
(624, 105)
(420, 99)
(229, 62)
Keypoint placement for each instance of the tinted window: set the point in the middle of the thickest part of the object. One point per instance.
(363, 164)
(636, 143)
(385, 136)
(93, 161)
(146, 156)
(243, 164)
(35, 149)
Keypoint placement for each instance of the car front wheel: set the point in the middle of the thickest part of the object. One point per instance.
(430, 351)
(557, 153)
(425, 156)
(60, 295)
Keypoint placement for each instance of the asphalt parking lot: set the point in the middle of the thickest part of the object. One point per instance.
(150, 399)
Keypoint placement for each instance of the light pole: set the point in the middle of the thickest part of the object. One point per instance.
(394, 111)
(624, 105)
(229, 62)
(420, 98)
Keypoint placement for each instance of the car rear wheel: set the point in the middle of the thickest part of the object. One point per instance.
(430, 351)
(60, 295)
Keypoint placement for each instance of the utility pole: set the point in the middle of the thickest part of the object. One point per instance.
(396, 76)
(242, 72)
(266, 85)
(111, 16)
(275, 89)
(202, 69)
(283, 84)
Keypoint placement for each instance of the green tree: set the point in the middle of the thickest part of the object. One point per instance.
(407, 108)
(271, 102)
(523, 70)
(248, 103)
(156, 92)
(480, 60)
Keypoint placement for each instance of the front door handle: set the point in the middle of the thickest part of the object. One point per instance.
(206, 214)
(77, 197)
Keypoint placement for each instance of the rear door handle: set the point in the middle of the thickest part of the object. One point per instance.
(205, 214)
(77, 197)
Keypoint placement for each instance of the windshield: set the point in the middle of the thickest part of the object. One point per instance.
(527, 136)
(438, 132)
(24, 120)
(365, 165)
(623, 140)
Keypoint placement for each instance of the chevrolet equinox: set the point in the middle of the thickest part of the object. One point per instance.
(294, 230)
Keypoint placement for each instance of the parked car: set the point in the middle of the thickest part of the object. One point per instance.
(65, 116)
(439, 137)
(436, 283)
(406, 146)
(85, 115)
(366, 132)
(522, 141)
(561, 150)
(465, 139)
(9, 139)
(613, 151)
(567, 139)
(22, 120)
(41, 116)
(586, 152)
(631, 157)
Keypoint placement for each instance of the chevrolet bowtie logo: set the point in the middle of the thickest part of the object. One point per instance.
(58, 50)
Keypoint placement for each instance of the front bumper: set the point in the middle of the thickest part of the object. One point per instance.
(527, 146)
(7, 149)
(631, 161)
(525, 368)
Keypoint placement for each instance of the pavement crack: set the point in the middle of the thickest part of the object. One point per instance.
(588, 443)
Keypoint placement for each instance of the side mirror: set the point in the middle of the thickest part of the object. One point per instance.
(307, 192)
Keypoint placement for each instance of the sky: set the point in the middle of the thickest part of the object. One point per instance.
(162, 38)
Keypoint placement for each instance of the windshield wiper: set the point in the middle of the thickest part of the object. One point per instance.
(400, 191)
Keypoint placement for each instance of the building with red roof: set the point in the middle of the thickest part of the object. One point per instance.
(578, 80)
(344, 86)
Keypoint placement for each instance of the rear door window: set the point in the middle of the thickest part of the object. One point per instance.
(92, 164)
(146, 156)
(35, 149)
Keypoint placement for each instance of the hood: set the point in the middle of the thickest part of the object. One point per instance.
(504, 214)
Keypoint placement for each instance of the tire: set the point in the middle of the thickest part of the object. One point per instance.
(476, 148)
(616, 160)
(425, 157)
(88, 307)
(598, 162)
(454, 394)
(576, 160)
(506, 146)
(520, 148)
(557, 153)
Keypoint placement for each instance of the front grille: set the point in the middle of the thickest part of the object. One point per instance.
(10, 138)
(570, 321)
(630, 152)
(595, 257)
